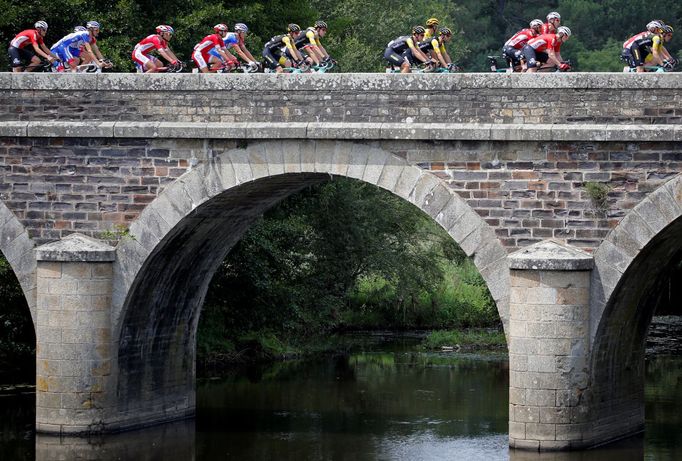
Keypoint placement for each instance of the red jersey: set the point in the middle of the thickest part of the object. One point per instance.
(520, 38)
(24, 38)
(151, 43)
(544, 42)
(628, 43)
(548, 28)
(208, 43)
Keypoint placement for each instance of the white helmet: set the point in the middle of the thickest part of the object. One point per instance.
(79, 29)
(553, 15)
(40, 25)
(536, 23)
(241, 27)
(564, 30)
(654, 25)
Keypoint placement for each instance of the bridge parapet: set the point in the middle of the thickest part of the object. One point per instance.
(352, 98)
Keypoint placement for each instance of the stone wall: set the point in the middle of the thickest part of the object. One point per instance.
(526, 191)
(354, 98)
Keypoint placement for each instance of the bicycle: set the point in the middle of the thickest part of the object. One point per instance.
(170, 68)
(92, 67)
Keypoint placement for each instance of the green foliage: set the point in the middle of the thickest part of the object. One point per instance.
(343, 254)
(17, 337)
(465, 338)
(599, 194)
(359, 30)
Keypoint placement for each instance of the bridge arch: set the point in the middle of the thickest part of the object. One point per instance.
(17, 246)
(626, 289)
(179, 240)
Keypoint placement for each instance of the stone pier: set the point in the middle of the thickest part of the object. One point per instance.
(73, 353)
(548, 346)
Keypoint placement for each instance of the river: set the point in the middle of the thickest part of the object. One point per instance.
(380, 401)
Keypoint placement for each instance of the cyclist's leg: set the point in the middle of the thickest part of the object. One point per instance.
(19, 59)
(199, 60)
(271, 61)
(393, 58)
(530, 57)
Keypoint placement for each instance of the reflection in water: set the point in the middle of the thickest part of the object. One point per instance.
(366, 406)
(174, 441)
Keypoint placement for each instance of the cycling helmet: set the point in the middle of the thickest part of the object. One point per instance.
(40, 25)
(654, 25)
(79, 29)
(93, 25)
(536, 23)
(432, 22)
(445, 31)
(294, 28)
(666, 29)
(241, 27)
(321, 25)
(564, 30)
(553, 15)
(220, 27)
(418, 30)
(163, 28)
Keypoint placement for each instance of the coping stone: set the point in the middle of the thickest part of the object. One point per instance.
(76, 247)
(551, 255)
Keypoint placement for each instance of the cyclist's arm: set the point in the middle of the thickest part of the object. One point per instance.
(416, 51)
(44, 51)
(322, 50)
(445, 54)
(247, 53)
(96, 52)
(168, 55)
(438, 53)
(241, 53)
(554, 57)
(656, 51)
(292, 49)
(227, 56)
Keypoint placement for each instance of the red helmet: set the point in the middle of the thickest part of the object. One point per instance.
(220, 27)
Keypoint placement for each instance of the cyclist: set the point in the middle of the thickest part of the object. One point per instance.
(234, 40)
(546, 49)
(213, 42)
(273, 49)
(431, 28)
(669, 61)
(93, 54)
(81, 41)
(637, 48)
(309, 42)
(24, 58)
(396, 50)
(436, 46)
(159, 42)
(511, 48)
(552, 24)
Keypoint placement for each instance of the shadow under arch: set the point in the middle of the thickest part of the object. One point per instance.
(17, 246)
(626, 289)
(162, 273)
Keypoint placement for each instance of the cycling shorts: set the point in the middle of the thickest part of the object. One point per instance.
(511, 55)
(273, 59)
(215, 53)
(533, 57)
(634, 56)
(19, 57)
(394, 58)
(66, 53)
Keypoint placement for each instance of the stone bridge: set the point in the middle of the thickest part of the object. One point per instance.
(173, 169)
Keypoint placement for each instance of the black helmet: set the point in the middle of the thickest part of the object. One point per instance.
(445, 31)
(321, 25)
(294, 28)
(417, 30)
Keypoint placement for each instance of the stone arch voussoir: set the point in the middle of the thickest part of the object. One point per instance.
(17, 247)
(623, 244)
(337, 158)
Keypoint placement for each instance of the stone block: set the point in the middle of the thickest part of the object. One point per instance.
(358, 162)
(540, 431)
(324, 155)
(517, 362)
(274, 155)
(564, 279)
(341, 159)
(270, 130)
(542, 363)
(376, 159)
(517, 430)
(124, 129)
(407, 181)
(13, 128)
(572, 296)
(541, 398)
(236, 130)
(525, 414)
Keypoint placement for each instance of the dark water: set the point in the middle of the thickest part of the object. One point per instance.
(377, 405)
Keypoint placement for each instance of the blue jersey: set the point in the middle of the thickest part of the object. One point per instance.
(74, 40)
(231, 39)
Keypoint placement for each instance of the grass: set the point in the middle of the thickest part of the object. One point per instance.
(467, 339)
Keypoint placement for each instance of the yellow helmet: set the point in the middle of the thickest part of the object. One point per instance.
(432, 22)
